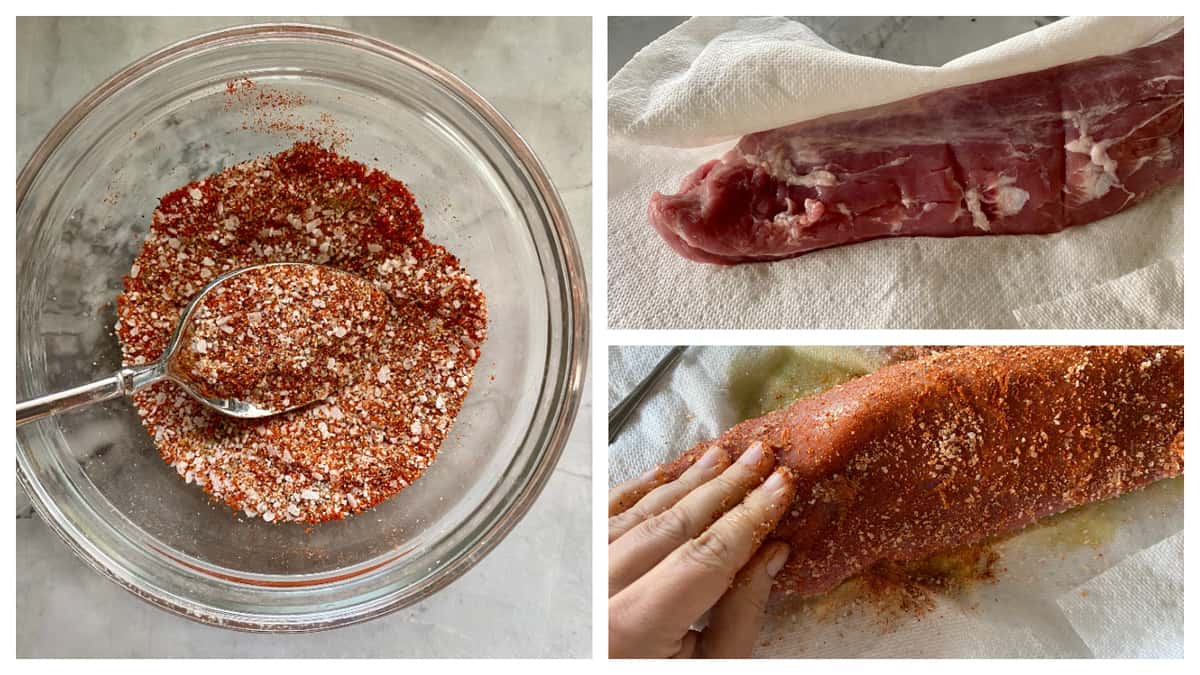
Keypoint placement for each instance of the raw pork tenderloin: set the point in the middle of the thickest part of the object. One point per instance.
(1031, 153)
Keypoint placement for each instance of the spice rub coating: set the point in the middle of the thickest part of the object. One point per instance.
(365, 442)
(949, 449)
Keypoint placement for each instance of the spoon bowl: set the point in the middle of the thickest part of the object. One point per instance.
(234, 407)
(130, 379)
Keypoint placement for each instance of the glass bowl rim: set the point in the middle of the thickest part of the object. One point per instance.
(564, 392)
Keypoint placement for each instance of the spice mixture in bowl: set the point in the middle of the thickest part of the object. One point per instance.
(295, 143)
(362, 442)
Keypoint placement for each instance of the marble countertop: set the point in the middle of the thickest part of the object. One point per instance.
(531, 596)
(885, 37)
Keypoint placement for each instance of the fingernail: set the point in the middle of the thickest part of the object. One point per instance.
(777, 560)
(775, 482)
(753, 455)
(711, 458)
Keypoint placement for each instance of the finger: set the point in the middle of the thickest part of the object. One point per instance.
(631, 638)
(687, 649)
(738, 616)
(647, 544)
(628, 493)
(710, 465)
(695, 576)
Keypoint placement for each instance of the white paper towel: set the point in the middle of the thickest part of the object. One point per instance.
(1150, 296)
(688, 96)
(1055, 598)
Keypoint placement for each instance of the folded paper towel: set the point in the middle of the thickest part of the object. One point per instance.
(1073, 588)
(688, 96)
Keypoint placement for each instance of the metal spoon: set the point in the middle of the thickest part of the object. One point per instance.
(128, 380)
(619, 416)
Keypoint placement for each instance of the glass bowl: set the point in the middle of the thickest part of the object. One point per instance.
(83, 207)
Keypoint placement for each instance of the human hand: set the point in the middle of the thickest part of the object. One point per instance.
(669, 562)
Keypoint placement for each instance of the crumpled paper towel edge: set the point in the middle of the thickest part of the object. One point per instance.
(1073, 39)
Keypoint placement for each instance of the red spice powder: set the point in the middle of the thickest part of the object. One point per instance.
(896, 592)
(276, 111)
(369, 440)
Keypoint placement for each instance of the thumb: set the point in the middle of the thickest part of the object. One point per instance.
(738, 616)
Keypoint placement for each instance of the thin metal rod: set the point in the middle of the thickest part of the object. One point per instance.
(42, 406)
(122, 383)
(619, 416)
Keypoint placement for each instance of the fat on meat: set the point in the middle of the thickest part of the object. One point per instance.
(1029, 154)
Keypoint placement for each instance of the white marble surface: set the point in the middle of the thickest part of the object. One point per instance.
(530, 597)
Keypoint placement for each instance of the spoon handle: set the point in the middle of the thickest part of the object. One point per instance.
(619, 416)
(123, 382)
